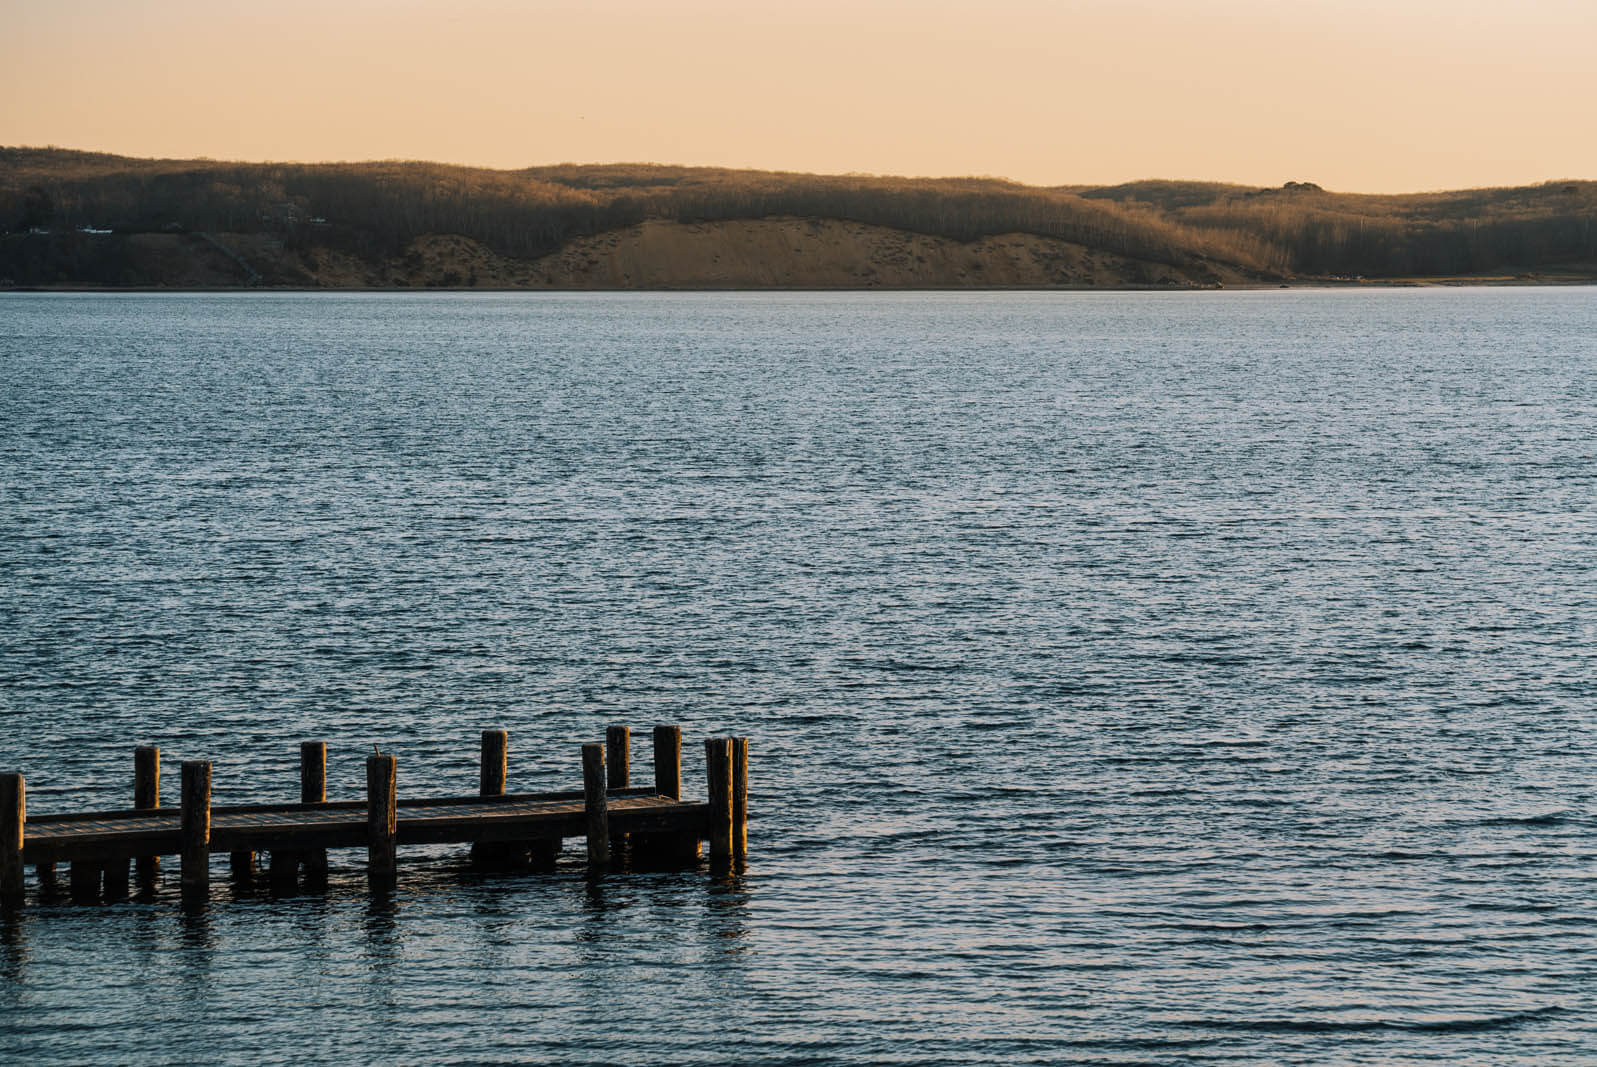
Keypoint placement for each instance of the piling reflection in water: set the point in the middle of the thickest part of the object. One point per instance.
(13, 951)
(382, 952)
(196, 955)
(726, 912)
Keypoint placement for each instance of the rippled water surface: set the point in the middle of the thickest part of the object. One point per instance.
(1130, 677)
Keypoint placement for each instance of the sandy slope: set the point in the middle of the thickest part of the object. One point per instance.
(735, 254)
(826, 253)
(764, 253)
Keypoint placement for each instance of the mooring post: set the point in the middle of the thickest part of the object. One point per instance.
(194, 829)
(495, 763)
(146, 777)
(668, 761)
(313, 790)
(282, 871)
(669, 847)
(618, 773)
(740, 797)
(116, 878)
(83, 879)
(596, 805)
(618, 756)
(313, 772)
(147, 796)
(491, 777)
(13, 821)
(382, 821)
(241, 865)
(718, 780)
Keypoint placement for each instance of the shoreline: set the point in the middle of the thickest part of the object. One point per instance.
(1368, 283)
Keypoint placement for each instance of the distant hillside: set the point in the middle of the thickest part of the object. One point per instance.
(1536, 229)
(77, 218)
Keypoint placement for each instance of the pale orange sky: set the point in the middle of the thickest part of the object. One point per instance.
(1392, 96)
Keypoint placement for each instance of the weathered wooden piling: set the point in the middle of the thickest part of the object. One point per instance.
(83, 881)
(13, 822)
(194, 829)
(241, 865)
(286, 864)
(740, 797)
(115, 874)
(668, 848)
(596, 805)
(718, 781)
(282, 870)
(492, 774)
(618, 756)
(147, 796)
(313, 790)
(382, 821)
(313, 772)
(618, 774)
(544, 852)
(668, 761)
(495, 763)
(146, 777)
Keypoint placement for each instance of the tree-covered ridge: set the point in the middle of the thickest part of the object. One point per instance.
(1319, 233)
(380, 208)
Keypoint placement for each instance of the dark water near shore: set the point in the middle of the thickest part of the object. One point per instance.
(1131, 677)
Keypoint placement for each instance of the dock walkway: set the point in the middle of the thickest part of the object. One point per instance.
(504, 829)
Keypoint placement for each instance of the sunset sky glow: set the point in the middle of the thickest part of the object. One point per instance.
(1356, 95)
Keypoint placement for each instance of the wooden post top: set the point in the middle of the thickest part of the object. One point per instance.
(313, 772)
(668, 761)
(495, 763)
(147, 776)
(382, 819)
(618, 756)
(197, 789)
(13, 807)
(718, 782)
(195, 829)
(596, 806)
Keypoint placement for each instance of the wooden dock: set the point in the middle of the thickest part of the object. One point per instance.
(107, 849)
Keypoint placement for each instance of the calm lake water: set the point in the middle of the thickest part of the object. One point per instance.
(1131, 678)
